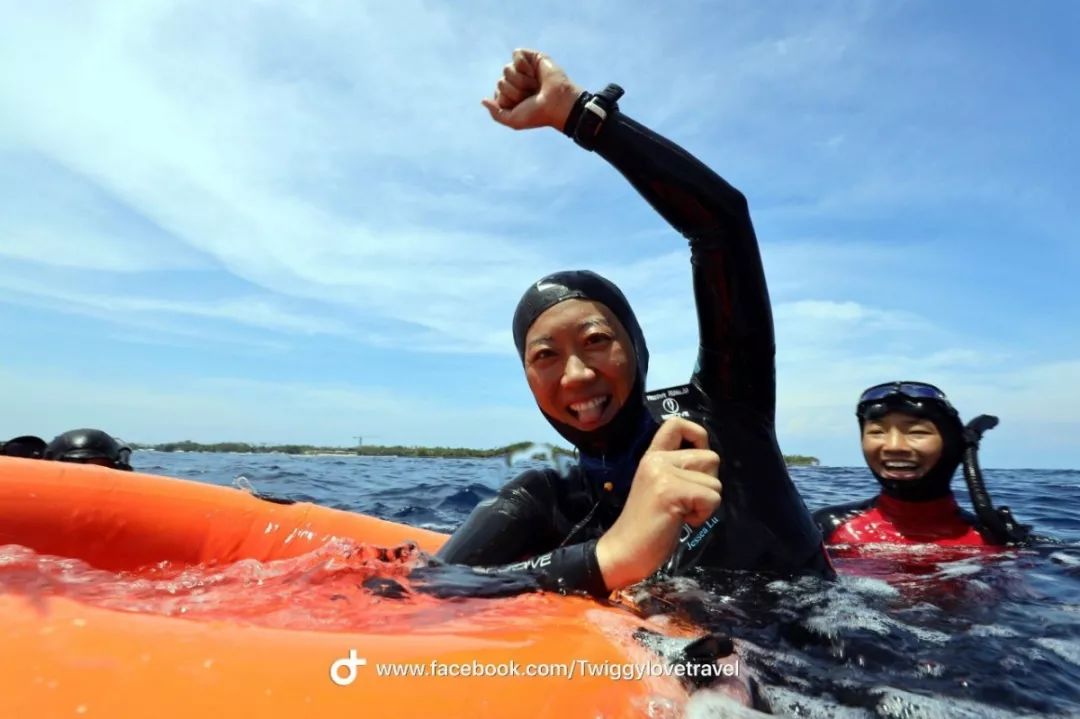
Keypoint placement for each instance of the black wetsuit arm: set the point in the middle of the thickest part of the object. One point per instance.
(737, 347)
(763, 522)
(516, 530)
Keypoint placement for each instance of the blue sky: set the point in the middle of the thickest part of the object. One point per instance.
(294, 222)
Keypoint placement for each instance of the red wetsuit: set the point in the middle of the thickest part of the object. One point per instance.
(906, 544)
(885, 519)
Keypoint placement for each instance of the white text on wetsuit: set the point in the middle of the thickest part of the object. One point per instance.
(535, 563)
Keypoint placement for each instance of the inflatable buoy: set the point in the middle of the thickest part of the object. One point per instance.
(130, 595)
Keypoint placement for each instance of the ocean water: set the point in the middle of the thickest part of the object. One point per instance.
(903, 633)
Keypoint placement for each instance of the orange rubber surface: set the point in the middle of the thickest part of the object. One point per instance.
(60, 657)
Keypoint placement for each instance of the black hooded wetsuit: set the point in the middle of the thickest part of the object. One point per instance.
(548, 524)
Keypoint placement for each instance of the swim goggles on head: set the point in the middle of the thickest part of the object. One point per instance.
(914, 391)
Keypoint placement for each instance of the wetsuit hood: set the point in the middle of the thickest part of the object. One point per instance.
(620, 433)
(84, 445)
(935, 483)
(27, 446)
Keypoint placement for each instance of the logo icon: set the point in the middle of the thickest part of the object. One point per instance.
(670, 406)
(349, 664)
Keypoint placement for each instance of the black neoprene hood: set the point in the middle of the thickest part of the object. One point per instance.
(27, 446)
(578, 285)
(81, 445)
(585, 285)
(935, 483)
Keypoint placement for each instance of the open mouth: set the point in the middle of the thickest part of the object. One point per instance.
(590, 411)
(900, 469)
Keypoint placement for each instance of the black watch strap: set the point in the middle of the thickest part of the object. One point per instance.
(589, 114)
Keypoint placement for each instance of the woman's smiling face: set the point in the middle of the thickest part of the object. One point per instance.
(580, 364)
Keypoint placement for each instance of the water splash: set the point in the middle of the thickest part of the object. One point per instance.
(341, 586)
(544, 453)
(244, 484)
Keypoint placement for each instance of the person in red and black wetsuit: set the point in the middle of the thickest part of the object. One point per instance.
(645, 493)
(913, 442)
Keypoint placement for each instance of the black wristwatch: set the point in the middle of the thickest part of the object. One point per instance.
(589, 114)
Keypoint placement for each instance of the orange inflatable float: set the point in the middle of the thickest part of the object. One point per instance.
(131, 595)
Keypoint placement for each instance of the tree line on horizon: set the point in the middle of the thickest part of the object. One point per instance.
(367, 450)
(542, 451)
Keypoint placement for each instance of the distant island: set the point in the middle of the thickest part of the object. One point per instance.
(540, 451)
(534, 450)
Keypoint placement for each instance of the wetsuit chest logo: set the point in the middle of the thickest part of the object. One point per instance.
(682, 401)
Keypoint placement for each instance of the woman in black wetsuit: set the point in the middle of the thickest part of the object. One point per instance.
(643, 496)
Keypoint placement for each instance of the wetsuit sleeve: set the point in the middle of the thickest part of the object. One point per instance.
(515, 531)
(830, 519)
(737, 348)
(762, 523)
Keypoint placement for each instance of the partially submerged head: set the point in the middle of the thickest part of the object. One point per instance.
(584, 356)
(27, 446)
(912, 439)
(89, 446)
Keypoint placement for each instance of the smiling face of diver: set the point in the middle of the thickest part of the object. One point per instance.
(901, 447)
(591, 387)
(912, 439)
(579, 362)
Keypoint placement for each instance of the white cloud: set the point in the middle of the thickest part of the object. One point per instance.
(331, 164)
(329, 167)
(213, 141)
(87, 250)
(128, 309)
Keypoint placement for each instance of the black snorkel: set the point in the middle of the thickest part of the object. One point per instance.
(998, 523)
